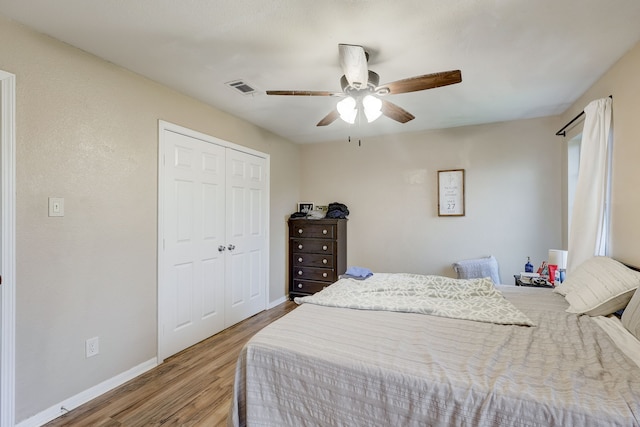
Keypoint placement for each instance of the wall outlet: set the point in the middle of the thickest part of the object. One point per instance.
(92, 346)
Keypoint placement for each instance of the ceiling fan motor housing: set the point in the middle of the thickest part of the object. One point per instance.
(372, 83)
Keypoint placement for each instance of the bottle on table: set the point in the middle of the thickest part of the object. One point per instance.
(528, 267)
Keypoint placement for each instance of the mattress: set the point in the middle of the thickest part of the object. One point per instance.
(327, 366)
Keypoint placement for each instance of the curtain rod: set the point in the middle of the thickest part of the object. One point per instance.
(562, 132)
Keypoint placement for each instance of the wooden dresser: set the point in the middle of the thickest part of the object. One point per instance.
(317, 254)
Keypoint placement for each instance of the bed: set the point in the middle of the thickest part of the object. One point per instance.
(330, 365)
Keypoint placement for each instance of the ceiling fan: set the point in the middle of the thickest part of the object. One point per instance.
(362, 93)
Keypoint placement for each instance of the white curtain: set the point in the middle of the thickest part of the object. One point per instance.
(588, 233)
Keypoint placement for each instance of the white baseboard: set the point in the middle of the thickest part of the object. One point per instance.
(81, 398)
(276, 302)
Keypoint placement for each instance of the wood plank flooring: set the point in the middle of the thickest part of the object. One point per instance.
(191, 388)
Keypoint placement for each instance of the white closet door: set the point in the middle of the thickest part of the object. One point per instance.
(246, 236)
(191, 287)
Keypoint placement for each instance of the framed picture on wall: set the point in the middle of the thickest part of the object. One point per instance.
(305, 207)
(451, 192)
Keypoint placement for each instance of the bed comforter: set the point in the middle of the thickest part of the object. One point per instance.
(469, 299)
(326, 366)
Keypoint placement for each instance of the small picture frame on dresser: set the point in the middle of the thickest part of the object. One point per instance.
(305, 207)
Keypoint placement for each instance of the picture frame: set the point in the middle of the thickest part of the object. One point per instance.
(451, 192)
(305, 207)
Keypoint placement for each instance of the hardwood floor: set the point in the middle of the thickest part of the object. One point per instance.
(191, 388)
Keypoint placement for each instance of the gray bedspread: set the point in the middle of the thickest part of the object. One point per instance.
(325, 366)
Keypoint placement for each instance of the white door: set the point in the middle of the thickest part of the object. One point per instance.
(191, 287)
(7, 248)
(1, 317)
(213, 241)
(246, 236)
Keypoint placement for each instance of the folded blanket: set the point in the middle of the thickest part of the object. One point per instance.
(358, 273)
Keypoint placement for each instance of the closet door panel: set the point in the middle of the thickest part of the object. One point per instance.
(246, 214)
(191, 285)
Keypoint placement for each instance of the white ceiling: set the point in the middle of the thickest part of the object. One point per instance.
(519, 58)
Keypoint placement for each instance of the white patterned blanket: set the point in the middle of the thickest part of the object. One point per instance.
(467, 299)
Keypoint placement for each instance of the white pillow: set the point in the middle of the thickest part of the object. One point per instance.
(600, 286)
(478, 268)
(566, 286)
(631, 315)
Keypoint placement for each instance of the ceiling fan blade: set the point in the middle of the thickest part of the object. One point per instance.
(329, 118)
(353, 61)
(396, 113)
(304, 93)
(427, 81)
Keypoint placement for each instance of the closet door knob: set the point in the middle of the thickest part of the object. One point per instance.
(232, 247)
(221, 248)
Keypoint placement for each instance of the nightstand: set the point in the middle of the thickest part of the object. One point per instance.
(519, 282)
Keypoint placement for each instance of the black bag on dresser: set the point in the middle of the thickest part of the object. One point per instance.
(337, 210)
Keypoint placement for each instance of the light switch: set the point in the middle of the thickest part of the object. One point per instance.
(56, 206)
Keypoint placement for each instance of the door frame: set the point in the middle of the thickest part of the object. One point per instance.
(8, 247)
(164, 126)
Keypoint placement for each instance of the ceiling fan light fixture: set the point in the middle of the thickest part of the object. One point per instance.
(361, 89)
(372, 107)
(347, 109)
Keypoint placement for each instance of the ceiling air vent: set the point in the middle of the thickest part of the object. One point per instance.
(241, 86)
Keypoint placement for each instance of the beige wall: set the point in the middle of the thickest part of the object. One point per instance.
(513, 205)
(88, 131)
(623, 83)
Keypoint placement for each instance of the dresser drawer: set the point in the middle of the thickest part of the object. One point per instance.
(308, 286)
(312, 246)
(312, 260)
(308, 229)
(310, 273)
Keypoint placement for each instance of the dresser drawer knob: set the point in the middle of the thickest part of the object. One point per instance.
(324, 274)
(299, 272)
(324, 261)
(324, 231)
(299, 246)
(299, 285)
(324, 248)
(299, 259)
(300, 230)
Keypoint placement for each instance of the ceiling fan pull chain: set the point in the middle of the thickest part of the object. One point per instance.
(359, 141)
